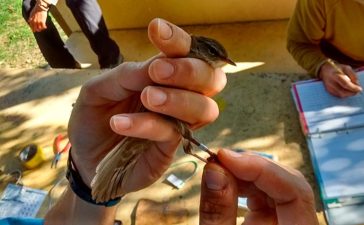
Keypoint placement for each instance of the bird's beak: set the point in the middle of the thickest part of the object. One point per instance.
(229, 61)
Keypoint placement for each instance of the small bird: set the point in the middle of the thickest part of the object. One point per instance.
(107, 183)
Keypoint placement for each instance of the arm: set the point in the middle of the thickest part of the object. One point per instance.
(70, 209)
(305, 30)
(105, 112)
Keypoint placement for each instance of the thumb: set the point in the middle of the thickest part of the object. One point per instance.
(169, 38)
(219, 194)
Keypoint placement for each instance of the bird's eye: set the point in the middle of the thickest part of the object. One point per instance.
(212, 51)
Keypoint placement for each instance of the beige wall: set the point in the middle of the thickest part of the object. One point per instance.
(67, 16)
(128, 14)
(120, 14)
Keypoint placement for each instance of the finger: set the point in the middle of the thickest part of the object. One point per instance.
(218, 203)
(256, 198)
(43, 26)
(169, 38)
(159, 155)
(188, 73)
(32, 26)
(345, 82)
(336, 90)
(259, 201)
(292, 195)
(187, 106)
(146, 125)
(351, 74)
(116, 84)
(265, 174)
(343, 93)
(260, 217)
(38, 27)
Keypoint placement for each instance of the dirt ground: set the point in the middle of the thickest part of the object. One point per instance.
(257, 113)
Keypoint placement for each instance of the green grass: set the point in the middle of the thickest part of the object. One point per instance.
(18, 48)
(15, 35)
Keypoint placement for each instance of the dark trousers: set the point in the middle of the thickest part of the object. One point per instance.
(89, 17)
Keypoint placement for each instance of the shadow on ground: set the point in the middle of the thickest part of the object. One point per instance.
(35, 85)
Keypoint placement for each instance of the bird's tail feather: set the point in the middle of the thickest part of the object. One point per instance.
(108, 181)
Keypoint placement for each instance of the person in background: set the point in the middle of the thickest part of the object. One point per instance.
(323, 33)
(105, 112)
(89, 17)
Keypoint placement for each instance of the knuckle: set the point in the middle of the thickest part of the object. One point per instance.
(208, 115)
(221, 78)
(190, 69)
(152, 123)
(214, 112)
(346, 67)
(88, 89)
(306, 192)
(215, 82)
(342, 79)
(298, 174)
(345, 85)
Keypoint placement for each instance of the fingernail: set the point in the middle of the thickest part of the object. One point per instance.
(164, 30)
(163, 69)
(156, 97)
(215, 180)
(232, 153)
(121, 122)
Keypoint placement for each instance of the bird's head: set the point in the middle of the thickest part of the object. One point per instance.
(209, 50)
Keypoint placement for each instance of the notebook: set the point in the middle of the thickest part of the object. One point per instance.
(20, 201)
(334, 128)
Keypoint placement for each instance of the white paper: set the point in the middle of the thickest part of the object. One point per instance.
(20, 201)
(340, 162)
(319, 106)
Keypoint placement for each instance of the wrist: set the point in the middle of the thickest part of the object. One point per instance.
(324, 70)
(70, 209)
(43, 5)
(320, 68)
(80, 188)
(86, 170)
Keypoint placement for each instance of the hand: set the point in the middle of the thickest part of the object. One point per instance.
(37, 19)
(166, 84)
(337, 84)
(276, 195)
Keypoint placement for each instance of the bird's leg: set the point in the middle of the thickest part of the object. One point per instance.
(187, 148)
(186, 133)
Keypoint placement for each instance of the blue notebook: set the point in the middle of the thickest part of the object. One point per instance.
(334, 128)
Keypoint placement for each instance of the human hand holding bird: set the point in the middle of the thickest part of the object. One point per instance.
(168, 86)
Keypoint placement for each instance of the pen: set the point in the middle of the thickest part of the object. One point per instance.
(338, 69)
(333, 64)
